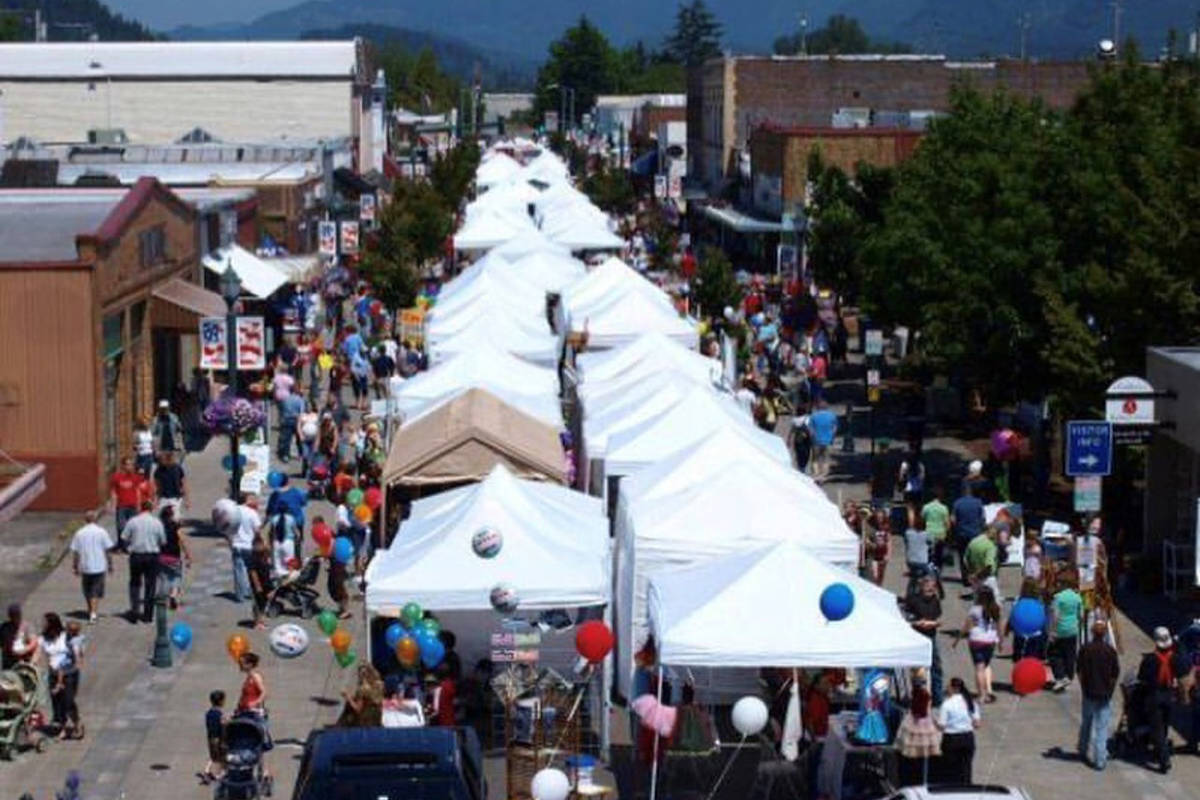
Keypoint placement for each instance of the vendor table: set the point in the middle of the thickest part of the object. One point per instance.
(839, 749)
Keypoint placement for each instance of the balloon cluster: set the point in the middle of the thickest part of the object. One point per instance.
(415, 638)
(1028, 619)
(339, 638)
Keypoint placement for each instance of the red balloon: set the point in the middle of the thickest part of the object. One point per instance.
(594, 640)
(322, 535)
(1028, 676)
(373, 498)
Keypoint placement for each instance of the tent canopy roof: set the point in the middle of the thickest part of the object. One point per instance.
(687, 605)
(463, 439)
(554, 552)
(258, 277)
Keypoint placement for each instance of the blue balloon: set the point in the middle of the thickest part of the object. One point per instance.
(227, 462)
(394, 633)
(837, 601)
(275, 479)
(423, 635)
(432, 651)
(1028, 617)
(181, 635)
(343, 549)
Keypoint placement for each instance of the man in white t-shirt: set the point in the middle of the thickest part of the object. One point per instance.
(91, 561)
(241, 545)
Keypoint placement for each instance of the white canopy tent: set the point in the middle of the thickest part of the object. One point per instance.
(511, 195)
(548, 270)
(696, 416)
(610, 280)
(555, 549)
(496, 168)
(501, 331)
(486, 230)
(623, 318)
(686, 605)
(258, 277)
(530, 388)
(485, 289)
(586, 234)
(485, 309)
(652, 351)
(527, 243)
(546, 168)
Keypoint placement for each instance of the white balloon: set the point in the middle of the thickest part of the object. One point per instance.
(309, 431)
(288, 640)
(550, 784)
(749, 715)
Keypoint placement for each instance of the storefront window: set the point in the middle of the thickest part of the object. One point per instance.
(113, 334)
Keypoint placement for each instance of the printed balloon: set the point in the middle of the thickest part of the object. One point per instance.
(288, 640)
(487, 542)
(504, 598)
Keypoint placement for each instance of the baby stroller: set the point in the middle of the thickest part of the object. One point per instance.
(20, 720)
(245, 743)
(318, 477)
(295, 593)
(1133, 736)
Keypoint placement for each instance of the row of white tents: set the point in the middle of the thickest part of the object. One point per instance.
(719, 547)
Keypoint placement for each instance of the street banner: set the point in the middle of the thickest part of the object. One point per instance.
(349, 238)
(366, 208)
(1087, 493)
(213, 338)
(675, 187)
(327, 233)
(785, 259)
(251, 343)
(660, 186)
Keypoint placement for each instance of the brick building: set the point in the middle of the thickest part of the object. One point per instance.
(779, 158)
(729, 97)
(89, 280)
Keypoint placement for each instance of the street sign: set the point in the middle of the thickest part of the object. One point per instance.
(1089, 447)
(1129, 401)
(1088, 493)
(1132, 434)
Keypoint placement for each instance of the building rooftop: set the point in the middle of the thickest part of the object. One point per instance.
(41, 225)
(146, 60)
(1187, 356)
(192, 174)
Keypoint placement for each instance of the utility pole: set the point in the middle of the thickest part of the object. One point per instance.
(1116, 36)
(1025, 24)
(803, 34)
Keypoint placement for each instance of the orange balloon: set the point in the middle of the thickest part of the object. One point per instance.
(408, 652)
(363, 513)
(340, 641)
(235, 645)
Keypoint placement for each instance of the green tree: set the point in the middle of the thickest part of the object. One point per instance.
(715, 286)
(412, 230)
(843, 213)
(416, 81)
(581, 60)
(452, 174)
(841, 35)
(697, 35)
(611, 190)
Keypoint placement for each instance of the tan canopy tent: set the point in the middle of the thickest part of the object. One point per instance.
(461, 440)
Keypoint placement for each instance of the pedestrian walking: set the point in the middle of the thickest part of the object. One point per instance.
(911, 477)
(1160, 672)
(241, 545)
(925, 614)
(171, 483)
(143, 446)
(966, 522)
(90, 560)
(61, 679)
(143, 537)
(127, 489)
(958, 717)
(175, 556)
(291, 407)
(800, 436)
(937, 523)
(214, 731)
(1099, 669)
(982, 629)
(252, 702)
(1066, 615)
(824, 424)
(168, 432)
(916, 549)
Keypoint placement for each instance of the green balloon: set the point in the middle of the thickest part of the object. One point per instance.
(327, 621)
(346, 659)
(411, 614)
(354, 498)
(430, 624)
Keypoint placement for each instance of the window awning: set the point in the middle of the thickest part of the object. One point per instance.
(742, 223)
(191, 298)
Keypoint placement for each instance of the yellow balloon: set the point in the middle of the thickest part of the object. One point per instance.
(325, 361)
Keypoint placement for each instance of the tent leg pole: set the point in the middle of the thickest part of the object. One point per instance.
(654, 764)
(606, 683)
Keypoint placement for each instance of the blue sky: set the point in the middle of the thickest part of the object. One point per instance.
(166, 14)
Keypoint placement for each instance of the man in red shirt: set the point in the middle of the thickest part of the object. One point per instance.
(127, 491)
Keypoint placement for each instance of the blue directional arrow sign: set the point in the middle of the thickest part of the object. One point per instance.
(1089, 447)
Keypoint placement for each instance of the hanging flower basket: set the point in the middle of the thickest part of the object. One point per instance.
(232, 414)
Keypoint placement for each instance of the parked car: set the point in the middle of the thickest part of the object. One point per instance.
(392, 764)
(960, 792)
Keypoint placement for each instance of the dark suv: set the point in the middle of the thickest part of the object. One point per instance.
(391, 764)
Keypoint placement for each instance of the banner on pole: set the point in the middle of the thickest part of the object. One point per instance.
(349, 238)
(366, 208)
(327, 234)
(213, 338)
(251, 343)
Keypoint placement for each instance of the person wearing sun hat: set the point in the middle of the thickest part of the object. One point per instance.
(1161, 670)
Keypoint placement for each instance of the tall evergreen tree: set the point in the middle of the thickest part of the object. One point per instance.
(697, 35)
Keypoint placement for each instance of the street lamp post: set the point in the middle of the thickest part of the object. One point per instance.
(231, 290)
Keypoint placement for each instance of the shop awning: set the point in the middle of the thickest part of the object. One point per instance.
(191, 298)
(259, 278)
(742, 223)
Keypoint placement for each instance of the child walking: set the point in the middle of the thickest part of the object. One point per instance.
(214, 726)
